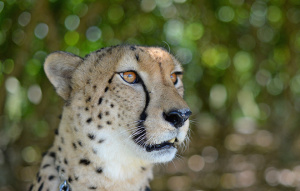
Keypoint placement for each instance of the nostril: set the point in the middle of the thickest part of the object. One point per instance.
(177, 117)
(174, 118)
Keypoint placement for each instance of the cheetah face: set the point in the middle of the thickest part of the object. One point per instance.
(129, 97)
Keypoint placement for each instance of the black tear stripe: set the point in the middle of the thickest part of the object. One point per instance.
(141, 131)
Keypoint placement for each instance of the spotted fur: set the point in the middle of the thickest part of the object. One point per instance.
(112, 132)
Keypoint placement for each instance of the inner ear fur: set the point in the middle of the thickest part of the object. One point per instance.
(59, 68)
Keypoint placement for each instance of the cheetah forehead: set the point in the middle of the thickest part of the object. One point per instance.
(125, 58)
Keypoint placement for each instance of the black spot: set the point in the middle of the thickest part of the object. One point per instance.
(88, 99)
(67, 103)
(60, 116)
(110, 80)
(56, 131)
(74, 146)
(89, 120)
(46, 165)
(109, 50)
(79, 143)
(147, 188)
(91, 136)
(57, 168)
(94, 87)
(41, 187)
(86, 109)
(76, 178)
(108, 122)
(92, 187)
(111, 105)
(105, 90)
(63, 170)
(143, 168)
(137, 57)
(99, 170)
(51, 177)
(70, 179)
(100, 100)
(99, 50)
(39, 179)
(65, 161)
(107, 113)
(101, 141)
(84, 161)
(100, 126)
(31, 187)
(100, 116)
(132, 48)
(52, 154)
(59, 148)
(37, 175)
(88, 81)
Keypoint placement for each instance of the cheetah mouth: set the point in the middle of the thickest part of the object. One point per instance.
(164, 145)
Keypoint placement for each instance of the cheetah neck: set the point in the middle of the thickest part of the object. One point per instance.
(105, 165)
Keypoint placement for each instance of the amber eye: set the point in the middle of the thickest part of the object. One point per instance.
(129, 77)
(174, 78)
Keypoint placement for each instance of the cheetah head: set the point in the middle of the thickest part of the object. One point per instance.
(127, 97)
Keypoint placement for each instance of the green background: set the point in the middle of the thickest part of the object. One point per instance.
(242, 81)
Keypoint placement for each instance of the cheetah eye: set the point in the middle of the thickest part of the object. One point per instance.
(174, 78)
(129, 77)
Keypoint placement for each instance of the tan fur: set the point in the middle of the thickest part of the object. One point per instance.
(94, 148)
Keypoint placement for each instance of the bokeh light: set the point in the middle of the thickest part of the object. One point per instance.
(72, 22)
(24, 18)
(148, 5)
(93, 34)
(41, 30)
(226, 14)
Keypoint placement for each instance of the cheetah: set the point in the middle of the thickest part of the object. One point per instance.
(124, 112)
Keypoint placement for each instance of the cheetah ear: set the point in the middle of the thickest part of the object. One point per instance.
(59, 67)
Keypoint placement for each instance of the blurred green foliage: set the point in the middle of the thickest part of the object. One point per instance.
(242, 80)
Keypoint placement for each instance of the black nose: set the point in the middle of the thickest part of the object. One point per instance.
(177, 117)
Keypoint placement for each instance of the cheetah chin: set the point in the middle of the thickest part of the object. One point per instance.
(124, 111)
